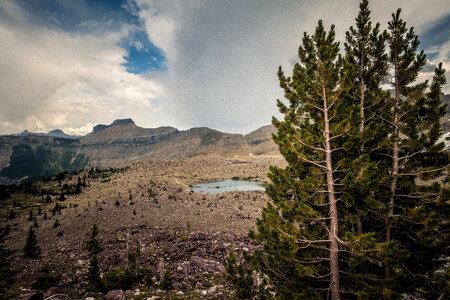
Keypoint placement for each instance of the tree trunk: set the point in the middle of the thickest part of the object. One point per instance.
(395, 160)
(359, 225)
(333, 233)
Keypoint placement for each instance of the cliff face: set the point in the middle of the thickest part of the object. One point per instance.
(32, 157)
(122, 142)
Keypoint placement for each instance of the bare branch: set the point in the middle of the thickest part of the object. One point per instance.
(309, 146)
(328, 108)
(315, 106)
(405, 113)
(298, 241)
(424, 172)
(387, 121)
(313, 163)
(410, 155)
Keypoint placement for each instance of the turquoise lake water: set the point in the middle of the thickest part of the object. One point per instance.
(228, 186)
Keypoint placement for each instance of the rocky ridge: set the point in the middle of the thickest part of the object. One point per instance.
(123, 142)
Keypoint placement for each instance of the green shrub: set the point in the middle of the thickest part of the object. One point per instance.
(118, 279)
(45, 280)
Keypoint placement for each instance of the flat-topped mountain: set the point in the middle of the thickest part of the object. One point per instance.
(124, 130)
(31, 156)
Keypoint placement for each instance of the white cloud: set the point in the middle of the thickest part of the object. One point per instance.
(83, 130)
(52, 79)
(223, 55)
(12, 10)
(222, 58)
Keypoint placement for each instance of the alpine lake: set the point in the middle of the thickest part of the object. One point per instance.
(228, 185)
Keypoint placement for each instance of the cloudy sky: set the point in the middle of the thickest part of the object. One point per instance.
(71, 64)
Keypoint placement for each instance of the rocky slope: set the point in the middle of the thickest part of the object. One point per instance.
(148, 203)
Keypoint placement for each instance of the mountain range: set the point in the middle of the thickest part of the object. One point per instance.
(53, 133)
(31, 156)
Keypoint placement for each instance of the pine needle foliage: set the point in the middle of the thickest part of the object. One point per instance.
(361, 210)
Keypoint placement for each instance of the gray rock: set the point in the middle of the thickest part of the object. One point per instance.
(208, 265)
(115, 295)
(177, 286)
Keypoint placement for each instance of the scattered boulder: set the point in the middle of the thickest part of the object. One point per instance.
(115, 295)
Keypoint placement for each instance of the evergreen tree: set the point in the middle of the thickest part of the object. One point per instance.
(354, 214)
(166, 283)
(301, 228)
(31, 249)
(94, 274)
(93, 244)
(416, 227)
(133, 261)
(364, 185)
(6, 272)
(45, 280)
(94, 248)
(62, 197)
(365, 70)
(241, 278)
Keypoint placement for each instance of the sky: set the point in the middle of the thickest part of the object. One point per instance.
(72, 64)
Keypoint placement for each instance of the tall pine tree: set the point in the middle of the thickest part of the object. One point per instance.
(416, 217)
(366, 68)
(301, 228)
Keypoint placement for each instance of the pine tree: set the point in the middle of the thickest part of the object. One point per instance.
(301, 229)
(360, 210)
(166, 283)
(365, 70)
(364, 185)
(6, 272)
(416, 227)
(31, 249)
(93, 244)
(62, 197)
(133, 261)
(94, 274)
(94, 248)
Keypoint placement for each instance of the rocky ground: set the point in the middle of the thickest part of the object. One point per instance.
(186, 234)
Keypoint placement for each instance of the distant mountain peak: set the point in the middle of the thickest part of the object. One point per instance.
(56, 131)
(99, 127)
(123, 122)
(117, 122)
